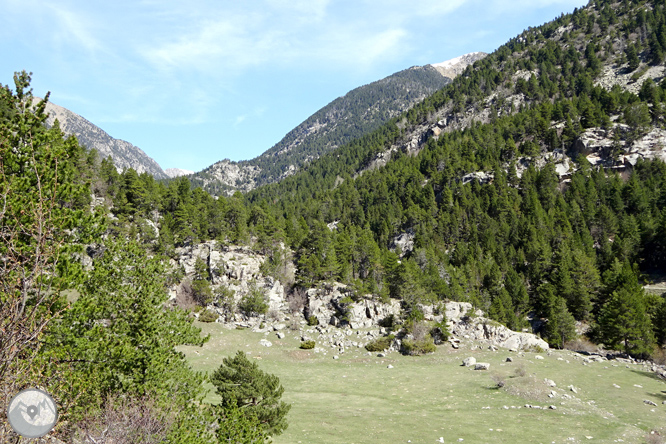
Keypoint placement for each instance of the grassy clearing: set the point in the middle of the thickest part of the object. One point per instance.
(358, 399)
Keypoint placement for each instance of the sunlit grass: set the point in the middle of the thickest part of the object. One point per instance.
(358, 399)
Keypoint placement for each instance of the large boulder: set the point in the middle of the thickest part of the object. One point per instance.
(483, 329)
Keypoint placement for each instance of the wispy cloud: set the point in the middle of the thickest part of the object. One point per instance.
(74, 28)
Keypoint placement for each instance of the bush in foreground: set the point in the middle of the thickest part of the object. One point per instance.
(380, 344)
(307, 345)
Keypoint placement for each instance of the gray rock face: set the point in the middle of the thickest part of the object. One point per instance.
(468, 362)
(326, 304)
(234, 176)
(124, 154)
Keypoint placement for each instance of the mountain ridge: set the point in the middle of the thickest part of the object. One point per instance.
(356, 113)
(124, 154)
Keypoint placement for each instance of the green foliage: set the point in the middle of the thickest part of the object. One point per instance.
(243, 386)
(208, 316)
(419, 346)
(254, 302)
(380, 344)
(224, 299)
(202, 292)
(624, 320)
(118, 338)
(388, 322)
(632, 57)
(45, 220)
(440, 332)
(561, 325)
(239, 426)
(307, 345)
(313, 320)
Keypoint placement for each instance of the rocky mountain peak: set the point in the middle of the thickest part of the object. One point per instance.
(454, 67)
(124, 154)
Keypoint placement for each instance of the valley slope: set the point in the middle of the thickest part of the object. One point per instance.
(359, 112)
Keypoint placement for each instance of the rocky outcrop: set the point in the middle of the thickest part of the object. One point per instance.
(332, 305)
(335, 305)
(495, 334)
(596, 144)
(454, 67)
(233, 176)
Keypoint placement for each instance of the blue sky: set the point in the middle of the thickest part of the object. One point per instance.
(193, 82)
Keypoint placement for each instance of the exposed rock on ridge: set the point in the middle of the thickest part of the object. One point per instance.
(358, 112)
(124, 154)
(454, 67)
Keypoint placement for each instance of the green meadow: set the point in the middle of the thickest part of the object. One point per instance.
(359, 399)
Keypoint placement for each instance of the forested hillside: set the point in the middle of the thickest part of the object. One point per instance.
(358, 112)
(520, 235)
(531, 187)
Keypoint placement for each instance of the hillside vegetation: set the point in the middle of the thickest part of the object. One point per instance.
(531, 188)
(346, 118)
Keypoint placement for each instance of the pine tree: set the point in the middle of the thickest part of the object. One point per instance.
(242, 385)
(118, 337)
(43, 224)
(624, 322)
(561, 325)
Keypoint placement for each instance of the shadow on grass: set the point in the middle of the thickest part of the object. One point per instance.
(661, 395)
(650, 375)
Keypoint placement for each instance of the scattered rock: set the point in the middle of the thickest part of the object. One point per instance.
(336, 357)
(509, 359)
(616, 386)
(538, 357)
(648, 402)
(280, 335)
(389, 366)
(550, 382)
(482, 366)
(266, 343)
(573, 389)
(468, 362)
(381, 355)
(552, 407)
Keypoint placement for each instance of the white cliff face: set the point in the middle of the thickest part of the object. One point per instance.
(454, 67)
(177, 172)
(124, 154)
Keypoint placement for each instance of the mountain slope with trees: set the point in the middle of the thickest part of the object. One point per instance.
(489, 215)
(461, 198)
(124, 154)
(358, 112)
